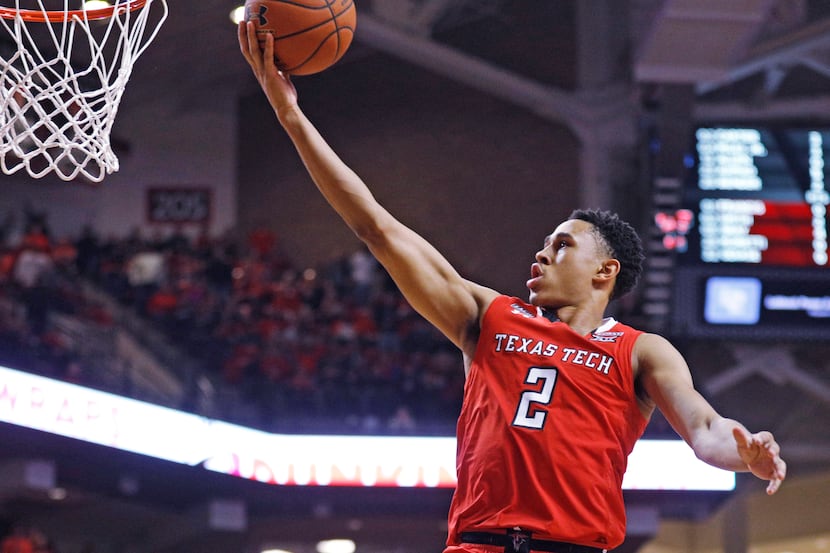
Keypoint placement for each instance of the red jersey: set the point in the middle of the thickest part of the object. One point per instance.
(548, 420)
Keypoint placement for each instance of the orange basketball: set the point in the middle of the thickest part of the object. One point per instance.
(309, 35)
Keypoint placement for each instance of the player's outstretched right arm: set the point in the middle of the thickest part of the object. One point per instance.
(427, 280)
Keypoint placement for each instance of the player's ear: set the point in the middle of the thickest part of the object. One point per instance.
(609, 269)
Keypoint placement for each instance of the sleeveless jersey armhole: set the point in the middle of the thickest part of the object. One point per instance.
(491, 311)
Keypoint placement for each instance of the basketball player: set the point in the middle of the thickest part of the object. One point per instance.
(556, 394)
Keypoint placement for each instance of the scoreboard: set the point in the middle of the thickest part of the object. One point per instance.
(760, 197)
(752, 256)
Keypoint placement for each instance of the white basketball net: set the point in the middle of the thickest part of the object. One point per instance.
(61, 83)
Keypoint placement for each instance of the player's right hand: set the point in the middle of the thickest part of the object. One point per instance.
(277, 86)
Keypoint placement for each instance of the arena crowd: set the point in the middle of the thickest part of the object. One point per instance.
(333, 347)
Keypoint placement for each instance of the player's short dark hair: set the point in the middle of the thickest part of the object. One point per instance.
(623, 244)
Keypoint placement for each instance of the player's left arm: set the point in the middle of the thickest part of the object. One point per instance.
(721, 442)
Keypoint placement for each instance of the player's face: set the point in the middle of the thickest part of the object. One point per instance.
(565, 266)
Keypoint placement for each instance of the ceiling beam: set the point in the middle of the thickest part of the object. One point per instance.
(545, 101)
(786, 50)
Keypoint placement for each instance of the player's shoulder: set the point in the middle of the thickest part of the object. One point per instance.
(484, 297)
(500, 305)
(651, 340)
(652, 349)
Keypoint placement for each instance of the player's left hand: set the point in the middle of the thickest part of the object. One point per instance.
(761, 454)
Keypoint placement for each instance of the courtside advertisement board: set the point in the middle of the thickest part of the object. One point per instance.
(291, 460)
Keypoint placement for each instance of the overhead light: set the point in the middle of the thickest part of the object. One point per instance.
(336, 546)
(57, 494)
(237, 14)
(276, 551)
(96, 4)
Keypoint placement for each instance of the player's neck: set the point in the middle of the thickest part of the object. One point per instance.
(583, 320)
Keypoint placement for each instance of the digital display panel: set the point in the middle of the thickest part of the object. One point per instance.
(737, 303)
(759, 196)
(750, 237)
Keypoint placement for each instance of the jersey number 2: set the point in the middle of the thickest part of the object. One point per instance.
(531, 400)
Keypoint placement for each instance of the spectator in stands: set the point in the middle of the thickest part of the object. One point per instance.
(146, 269)
(18, 541)
(36, 235)
(87, 248)
(364, 274)
(32, 272)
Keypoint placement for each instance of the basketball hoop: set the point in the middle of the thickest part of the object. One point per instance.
(61, 81)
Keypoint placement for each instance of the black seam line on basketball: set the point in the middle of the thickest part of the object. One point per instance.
(336, 29)
(335, 17)
(314, 53)
(301, 5)
(312, 8)
(326, 22)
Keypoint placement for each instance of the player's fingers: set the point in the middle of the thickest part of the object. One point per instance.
(242, 34)
(247, 42)
(268, 52)
(764, 437)
(767, 448)
(778, 477)
(781, 468)
(253, 41)
(772, 447)
(742, 437)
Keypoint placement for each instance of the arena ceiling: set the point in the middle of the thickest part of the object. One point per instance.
(755, 53)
